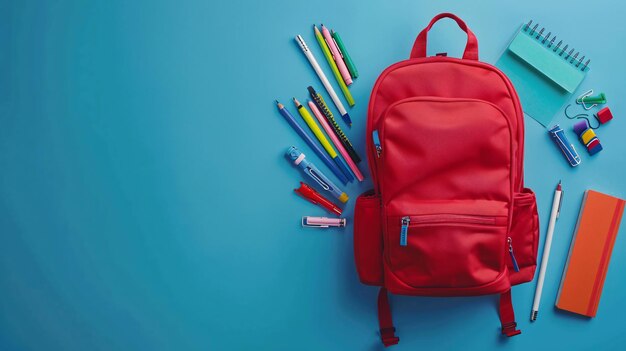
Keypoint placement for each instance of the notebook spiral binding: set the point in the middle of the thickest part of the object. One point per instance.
(567, 55)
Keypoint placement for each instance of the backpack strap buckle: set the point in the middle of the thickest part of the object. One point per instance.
(507, 315)
(510, 329)
(387, 330)
(388, 337)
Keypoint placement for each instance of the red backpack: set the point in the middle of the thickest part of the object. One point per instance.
(449, 214)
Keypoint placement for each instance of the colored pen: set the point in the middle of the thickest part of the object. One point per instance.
(336, 141)
(316, 198)
(554, 215)
(329, 58)
(323, 222)
(306, 116)
(322, 77)
(336, 56)
(321, 105)
(344, 54)
(294, 124)
(311, 171)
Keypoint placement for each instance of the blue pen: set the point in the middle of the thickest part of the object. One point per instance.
(292, 121)
(567, 148)
(310, 170)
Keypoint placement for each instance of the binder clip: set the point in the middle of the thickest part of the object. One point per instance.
(588, 101)
(588, 137)
(558, 136)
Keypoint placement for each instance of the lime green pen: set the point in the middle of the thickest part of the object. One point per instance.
(333, 66)
(344, 54)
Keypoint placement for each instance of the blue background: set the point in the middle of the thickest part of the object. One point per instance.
(145, 203)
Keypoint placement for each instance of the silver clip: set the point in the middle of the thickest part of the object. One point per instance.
(581, 100)
(337, 46)
(318, 179)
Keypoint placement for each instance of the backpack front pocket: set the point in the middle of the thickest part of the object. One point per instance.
(445, 250)
(444, 149)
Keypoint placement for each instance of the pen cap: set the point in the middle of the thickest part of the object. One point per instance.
(301, 43)
(313, 196)
(294, 155)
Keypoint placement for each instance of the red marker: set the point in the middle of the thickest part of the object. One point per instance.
(310, 194)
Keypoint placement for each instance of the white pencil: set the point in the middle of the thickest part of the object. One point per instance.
(556, 206)
(322, 76)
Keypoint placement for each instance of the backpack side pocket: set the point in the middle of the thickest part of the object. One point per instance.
(524, 237)
(368, 238)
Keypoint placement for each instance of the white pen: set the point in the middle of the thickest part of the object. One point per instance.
(322, 76)
(556, 207)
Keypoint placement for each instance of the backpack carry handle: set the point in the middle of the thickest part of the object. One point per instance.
(471, 48)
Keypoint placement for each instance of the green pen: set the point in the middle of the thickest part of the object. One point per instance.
(344, 54)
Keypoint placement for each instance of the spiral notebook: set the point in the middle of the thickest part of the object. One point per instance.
(544, 71)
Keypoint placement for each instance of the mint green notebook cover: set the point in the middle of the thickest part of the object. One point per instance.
(543, 78)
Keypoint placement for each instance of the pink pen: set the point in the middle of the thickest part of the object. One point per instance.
(335, 140)
(336, 56)
(323, 222)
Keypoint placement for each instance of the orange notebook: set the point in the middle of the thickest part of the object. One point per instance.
(590, 253)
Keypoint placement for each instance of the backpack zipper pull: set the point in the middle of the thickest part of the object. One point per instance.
(510, 242)
(379, 149)
(404, 230)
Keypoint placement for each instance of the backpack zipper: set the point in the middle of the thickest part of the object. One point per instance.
(379, 148)
(406, 220)
(454, 218)
(515, 265)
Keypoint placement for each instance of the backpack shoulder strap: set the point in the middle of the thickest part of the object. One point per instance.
(507, 315)
(385, 321)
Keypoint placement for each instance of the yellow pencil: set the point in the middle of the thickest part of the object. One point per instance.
(333, 66)
(306, 116)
